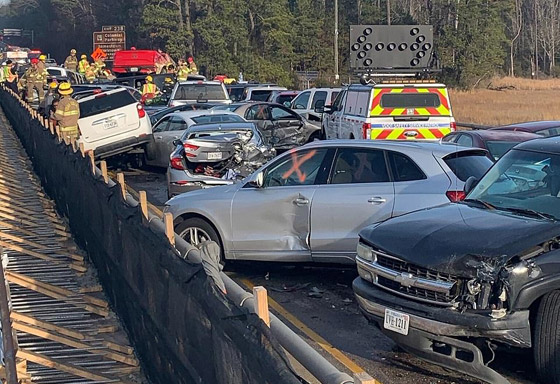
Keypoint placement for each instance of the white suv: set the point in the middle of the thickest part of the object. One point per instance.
(190, 92)
(313, 99)
(112, 123)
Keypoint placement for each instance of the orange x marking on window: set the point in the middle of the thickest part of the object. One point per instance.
(298, 162)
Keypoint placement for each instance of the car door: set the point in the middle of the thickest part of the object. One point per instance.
(152, 146)
(319, 100)
(259, 114)
(359, 193)
(332, 119)
(165, 146)
(273, 222)
(288, 126)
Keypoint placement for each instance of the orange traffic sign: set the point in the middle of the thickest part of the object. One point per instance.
(98, 54)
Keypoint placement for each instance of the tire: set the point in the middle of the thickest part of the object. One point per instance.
(546, 346)
(200, 225)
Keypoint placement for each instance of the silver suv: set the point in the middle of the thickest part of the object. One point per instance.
(190, 92)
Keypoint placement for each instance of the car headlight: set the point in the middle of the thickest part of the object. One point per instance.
(365, 252)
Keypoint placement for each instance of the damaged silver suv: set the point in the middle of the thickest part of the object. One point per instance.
(454, 283)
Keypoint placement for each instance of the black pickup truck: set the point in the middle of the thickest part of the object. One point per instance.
(455, 283)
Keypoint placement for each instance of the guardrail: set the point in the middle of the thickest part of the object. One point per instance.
(316, 364)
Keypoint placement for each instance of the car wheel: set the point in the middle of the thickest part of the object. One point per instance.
(195, 231)
(547, 339)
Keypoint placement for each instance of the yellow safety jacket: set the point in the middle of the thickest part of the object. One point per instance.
(83, 65)
(182, 73)
(149, 88)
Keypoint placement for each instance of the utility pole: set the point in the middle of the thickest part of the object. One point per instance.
(388, 12)
(336, 75)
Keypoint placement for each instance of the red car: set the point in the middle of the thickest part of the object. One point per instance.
(497, 143)
(138, 62)
(541, 128)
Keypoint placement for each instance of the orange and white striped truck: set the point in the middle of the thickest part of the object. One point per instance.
(390, 111)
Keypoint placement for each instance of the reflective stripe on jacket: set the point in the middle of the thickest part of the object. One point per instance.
(149, 88)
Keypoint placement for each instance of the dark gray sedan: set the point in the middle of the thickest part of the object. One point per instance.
(280, 126)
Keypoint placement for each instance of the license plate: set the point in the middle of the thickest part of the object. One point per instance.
(133, 69)
(110, 124)
(396, 322)
(214, 155)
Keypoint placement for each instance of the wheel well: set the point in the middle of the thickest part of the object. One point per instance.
(352, 136)
(191, 215)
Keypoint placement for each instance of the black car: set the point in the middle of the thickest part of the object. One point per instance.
(455, 283)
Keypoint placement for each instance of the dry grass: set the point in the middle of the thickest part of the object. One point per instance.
(508, 100)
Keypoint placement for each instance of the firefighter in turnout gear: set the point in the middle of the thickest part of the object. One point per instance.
(34, 79)
(71, 61)
(182, 71)
(67, 114)
(42, 68)
(83, 65)
(99, 67)
(192, 66)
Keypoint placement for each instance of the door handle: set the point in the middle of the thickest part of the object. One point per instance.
(377, 200)
(301, 201)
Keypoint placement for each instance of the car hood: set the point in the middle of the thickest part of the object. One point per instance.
(459, 239)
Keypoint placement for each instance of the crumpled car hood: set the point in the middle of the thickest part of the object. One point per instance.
(459, 239)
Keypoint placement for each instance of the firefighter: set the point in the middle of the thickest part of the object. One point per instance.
(34, 80)
(182, 71)
(90, 74)
(192, 66)
(149, 88)
(67, 114)
(83, 65)
(167, 88)
(51, 95)
(42, 68)
(99, 66)
(71, 61)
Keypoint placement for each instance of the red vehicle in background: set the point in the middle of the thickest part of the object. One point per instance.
(140, 61)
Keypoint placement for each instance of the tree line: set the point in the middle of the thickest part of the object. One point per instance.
(269, 40)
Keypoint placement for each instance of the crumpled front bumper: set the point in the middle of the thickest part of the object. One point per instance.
(442, 335)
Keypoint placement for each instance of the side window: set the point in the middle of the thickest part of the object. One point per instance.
(162, 124)
(257, 112)
(281, 114)
(465, 141)
(300, 168)
(550, 132)
(351, 100)
(404, 169)
(319, 99)
(354, 165)
(337, 105)
(362, 104)
(333, 97)
(301, 101)
(450, 138)
(176, 124)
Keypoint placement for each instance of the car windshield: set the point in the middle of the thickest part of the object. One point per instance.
(200, 92)
(499, 148)
(522, 182)
(260, 95)
(208, 119)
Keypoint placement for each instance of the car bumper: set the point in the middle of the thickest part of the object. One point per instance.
(179, 182)
(443, 335)
(120, 147)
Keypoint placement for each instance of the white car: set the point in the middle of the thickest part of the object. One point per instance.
(112, 123)
(62, 74)
(311, 99)
(191, 92)
(261, 93)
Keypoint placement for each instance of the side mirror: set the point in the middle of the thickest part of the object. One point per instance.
(470, 184)
(177, 142)
(319, 106)
(258, 180)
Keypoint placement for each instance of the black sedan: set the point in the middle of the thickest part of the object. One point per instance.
(280, 126)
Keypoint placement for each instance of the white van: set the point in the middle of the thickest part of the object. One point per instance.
(112, 123)
(313, 99)
(390, 112)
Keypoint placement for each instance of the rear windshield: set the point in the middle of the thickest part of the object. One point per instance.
(499, 148)
(235, 94)
(467, 164)
(260, 95)
(196, 135)
(410, 100)
(105, 102)
(200, 92)
(217, 119)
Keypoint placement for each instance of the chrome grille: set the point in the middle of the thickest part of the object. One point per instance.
(401, 266)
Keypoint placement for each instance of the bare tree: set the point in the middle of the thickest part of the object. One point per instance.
(514, 28)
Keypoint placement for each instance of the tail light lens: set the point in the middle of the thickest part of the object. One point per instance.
(366, 130)
(453, 126)
(455, 195)
(141, 110)
(189, 148)
(176, 162)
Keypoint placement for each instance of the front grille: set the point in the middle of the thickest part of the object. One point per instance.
(402, 266)
(418, 293)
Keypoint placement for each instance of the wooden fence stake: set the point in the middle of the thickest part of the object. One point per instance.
(51, 127)
(364, 378)
(120, 180)
(261, 304)
(103, 165)
(143, 204)
(82, 150)
(92, 160)
(169, 231)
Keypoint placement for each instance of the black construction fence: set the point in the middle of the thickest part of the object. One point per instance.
(183, 328)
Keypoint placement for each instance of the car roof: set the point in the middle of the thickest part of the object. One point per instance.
(201, 112)
(487, 134)
(333, 89)
(437, 148)
(531, 126)
(107, 92)
(268, 88)
(188, 82)
(221, 126)
(548, 145)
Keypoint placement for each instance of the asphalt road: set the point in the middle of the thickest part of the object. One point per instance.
(317, 302)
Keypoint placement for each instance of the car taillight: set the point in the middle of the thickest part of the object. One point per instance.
(190, 148)
(141, 111)
(366, 130)
(453, 126)
(455, 195)
(177, 163)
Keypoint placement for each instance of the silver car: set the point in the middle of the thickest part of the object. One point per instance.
(210, 155)
(309, 203)
(172, 126)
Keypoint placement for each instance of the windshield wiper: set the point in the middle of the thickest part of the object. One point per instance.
(486, 204)
(531, 213)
